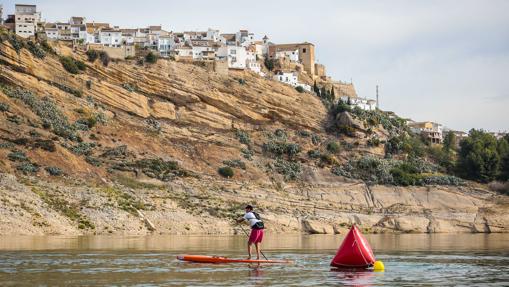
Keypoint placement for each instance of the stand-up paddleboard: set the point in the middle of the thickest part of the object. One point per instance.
(354, 252)
(218, 259)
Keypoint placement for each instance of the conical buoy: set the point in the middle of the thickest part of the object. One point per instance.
(378, 266)
(354, 252)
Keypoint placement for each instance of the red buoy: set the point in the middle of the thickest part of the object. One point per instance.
(354, 252)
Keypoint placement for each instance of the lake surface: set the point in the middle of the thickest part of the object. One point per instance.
(410, 260)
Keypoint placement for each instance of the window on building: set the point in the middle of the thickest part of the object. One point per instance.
(304, 50)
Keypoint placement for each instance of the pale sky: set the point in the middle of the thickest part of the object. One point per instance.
(445, 61)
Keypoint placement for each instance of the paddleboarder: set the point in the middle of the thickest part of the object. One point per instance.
(257, 226)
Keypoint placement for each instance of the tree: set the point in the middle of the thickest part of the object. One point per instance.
(449, 142)
(333, 96)
(316, 89)
(269, 63)
(478, 156)
(503, 151)
(151, 58)
(323, 93)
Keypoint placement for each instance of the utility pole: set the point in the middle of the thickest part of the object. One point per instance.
(377, 99)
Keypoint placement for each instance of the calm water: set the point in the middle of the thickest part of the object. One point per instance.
(410, 260)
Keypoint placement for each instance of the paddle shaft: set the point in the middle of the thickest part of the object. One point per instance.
(245, 232)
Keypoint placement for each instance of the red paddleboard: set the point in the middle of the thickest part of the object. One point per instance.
(217, 259)
(354, 252)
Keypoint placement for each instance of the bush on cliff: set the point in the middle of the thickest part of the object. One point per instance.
(92, 55)
(226, 171)
(151, 58)
(71, 65)
(105, 58)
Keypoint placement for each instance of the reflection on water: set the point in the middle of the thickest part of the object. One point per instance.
(438, 259)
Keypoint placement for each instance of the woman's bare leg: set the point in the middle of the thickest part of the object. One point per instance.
(249, 250)
(257, 245)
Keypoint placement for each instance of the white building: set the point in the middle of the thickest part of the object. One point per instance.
(235, 55)
(212, 35)
(289, 78)
(165, 44)
(365, 104)
(26, 19)
(110, 37)
(244, 38)
(184, 51)
(51, 33)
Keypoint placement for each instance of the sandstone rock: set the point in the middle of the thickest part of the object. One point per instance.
(316, 227)
(346, 119)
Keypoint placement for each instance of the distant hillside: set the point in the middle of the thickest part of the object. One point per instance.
(90, 148)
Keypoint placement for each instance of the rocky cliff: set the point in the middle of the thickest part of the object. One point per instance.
(131, 147)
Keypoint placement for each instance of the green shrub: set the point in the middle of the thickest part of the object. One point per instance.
(235, 163)
(27, 167)
(291, 170)
(226, 171)
(68, 89)
(4, 107)
(129, 87)
(247, 153)
(242, 81)
(299, 89)
(155, 168)
(83, 148)
(71, 65)
(89, 122)
(243, 137)
(105, 58)
(373, 142)
(36, 50)
(315, 139)
(304, 134)
(151, 58)
(333, 147)
(92, 55)
(280, 134)
(47, 47)
(153, 125)
(53, 170)
(346, 130)
(47, 110)
(314, 153)
(17, 155)
(16, 43)
(47, 145)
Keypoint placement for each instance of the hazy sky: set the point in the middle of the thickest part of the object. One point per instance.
(445, 61)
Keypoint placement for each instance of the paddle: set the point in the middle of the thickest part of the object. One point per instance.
(245, 232)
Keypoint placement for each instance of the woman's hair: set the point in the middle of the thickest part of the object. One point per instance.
(249, 206)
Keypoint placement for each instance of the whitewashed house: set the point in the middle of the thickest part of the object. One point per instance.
(212, 35)
(128, 36)
(184, 52)
(165, 44)
(244, 38)
(236, 56)
(110, 37)
(289, 78)
(365, 104)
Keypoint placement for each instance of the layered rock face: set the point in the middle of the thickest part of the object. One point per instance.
(158, 136)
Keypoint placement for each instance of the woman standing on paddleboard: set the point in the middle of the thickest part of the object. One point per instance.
(257, 227)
